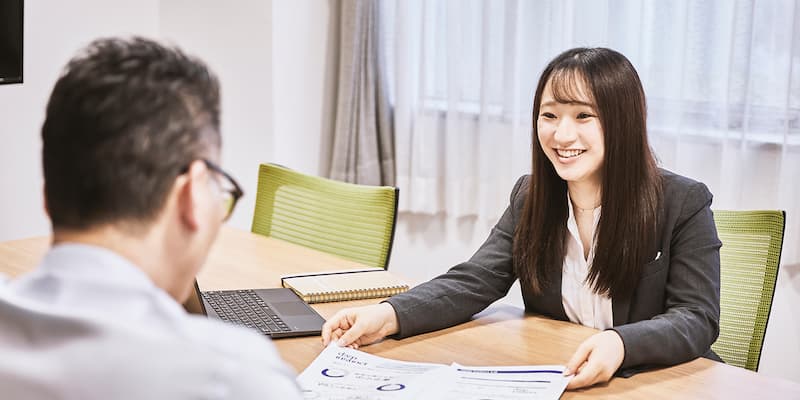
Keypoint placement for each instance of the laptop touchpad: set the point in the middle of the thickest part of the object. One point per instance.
(288, 308)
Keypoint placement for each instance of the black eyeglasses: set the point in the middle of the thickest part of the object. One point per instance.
(231, 192)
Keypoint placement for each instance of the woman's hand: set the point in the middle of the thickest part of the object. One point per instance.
(596, 360)
(359, 326)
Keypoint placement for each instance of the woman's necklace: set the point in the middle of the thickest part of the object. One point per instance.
(586, 209)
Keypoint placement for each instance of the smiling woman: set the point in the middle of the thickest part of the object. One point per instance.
(590, 121)
(571, 136)
(597, 235)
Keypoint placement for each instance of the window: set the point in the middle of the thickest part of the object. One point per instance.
(710, 68)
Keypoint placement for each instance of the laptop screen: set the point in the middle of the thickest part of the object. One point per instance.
(193, 305)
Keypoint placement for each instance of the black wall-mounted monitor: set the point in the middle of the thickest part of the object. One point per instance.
(11, 41)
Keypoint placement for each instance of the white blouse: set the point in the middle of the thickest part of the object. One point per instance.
(582, 305)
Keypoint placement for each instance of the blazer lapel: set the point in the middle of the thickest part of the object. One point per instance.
(548, 302)
(554, 296)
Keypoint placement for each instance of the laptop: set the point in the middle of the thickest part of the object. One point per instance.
(277, 313)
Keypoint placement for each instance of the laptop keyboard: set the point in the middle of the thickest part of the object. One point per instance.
(245, 308)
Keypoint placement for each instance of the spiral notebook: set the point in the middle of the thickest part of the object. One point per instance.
(321, 287)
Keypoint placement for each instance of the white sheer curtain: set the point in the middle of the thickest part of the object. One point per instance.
(722, 80)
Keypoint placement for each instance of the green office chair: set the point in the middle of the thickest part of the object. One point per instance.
(355, 222)
(750, 256)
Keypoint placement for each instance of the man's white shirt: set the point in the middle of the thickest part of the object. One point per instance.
(88, 324)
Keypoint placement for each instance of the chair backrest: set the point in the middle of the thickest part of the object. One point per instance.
(750, 256)
(355, 222)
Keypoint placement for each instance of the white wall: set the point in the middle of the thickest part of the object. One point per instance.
(781, 344)
(236, 43)
(305, 48)
(54, 31)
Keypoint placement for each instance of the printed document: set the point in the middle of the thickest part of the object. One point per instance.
(342, 373)
(524, 382)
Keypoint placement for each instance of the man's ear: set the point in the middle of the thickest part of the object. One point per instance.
(188, 188)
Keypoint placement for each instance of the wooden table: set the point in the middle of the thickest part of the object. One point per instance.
(501, 335)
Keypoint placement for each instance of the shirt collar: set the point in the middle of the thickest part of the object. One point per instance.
(74, 261)
(572, 227)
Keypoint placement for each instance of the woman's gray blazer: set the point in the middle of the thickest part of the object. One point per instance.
(672, 317)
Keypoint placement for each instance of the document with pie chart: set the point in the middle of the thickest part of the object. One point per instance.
(341, 373)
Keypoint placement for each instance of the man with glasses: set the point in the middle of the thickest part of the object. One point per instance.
(231, 192)
(131, 147)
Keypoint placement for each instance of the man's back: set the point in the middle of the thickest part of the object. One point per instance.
(88, 324)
